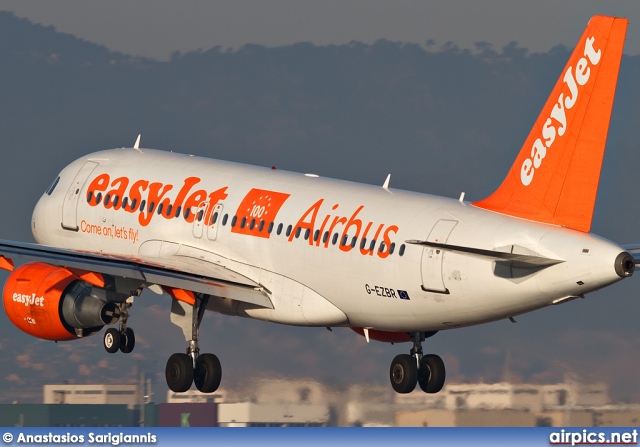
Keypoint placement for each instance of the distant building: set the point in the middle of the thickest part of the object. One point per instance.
(249, 414)
(92, 394)
(304, 403)
(196, 397)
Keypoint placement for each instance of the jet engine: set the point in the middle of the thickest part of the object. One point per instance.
(53, 303)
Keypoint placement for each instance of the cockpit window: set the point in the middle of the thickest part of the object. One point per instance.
(53, 186)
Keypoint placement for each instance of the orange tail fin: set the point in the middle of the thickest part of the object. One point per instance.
(555, 176)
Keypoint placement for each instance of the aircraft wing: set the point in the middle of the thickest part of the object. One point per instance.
(147, 274)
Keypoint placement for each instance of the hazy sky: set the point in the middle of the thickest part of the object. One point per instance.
(157, 28)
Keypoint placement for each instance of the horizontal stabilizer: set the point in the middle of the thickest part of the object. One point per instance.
(634, 250)
(524, 260)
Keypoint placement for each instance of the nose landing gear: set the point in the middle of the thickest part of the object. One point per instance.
(407, 370)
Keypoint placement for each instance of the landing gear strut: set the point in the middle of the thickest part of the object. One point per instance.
(123, 339)
(407, 370)
(202, 369)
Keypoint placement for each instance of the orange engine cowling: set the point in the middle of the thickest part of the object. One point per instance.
(52, 303)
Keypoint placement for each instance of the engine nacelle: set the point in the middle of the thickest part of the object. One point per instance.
(52, 303)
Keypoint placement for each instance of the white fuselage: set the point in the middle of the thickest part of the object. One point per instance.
(310, 281)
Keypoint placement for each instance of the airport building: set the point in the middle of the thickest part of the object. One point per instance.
(308, 403)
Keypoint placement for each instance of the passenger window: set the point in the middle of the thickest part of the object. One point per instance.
(159, 209)
(224, 220)
(116, 199)
(401, 252)
(261, 226)
(392, 247)
(252, 224)
(124, 202)
(298, 232)
(89, 196)
(279, 229)
(152, 206)
(316, 235)
(373, 245)
(335, 239)
(133, 204)
(187, 212)
(363, 242)
(381, 249)
(353, 241)
(233, 221)
(200, 214)
(344, 240)
(243, 222)
(168, 212)
(98, 197)
(306, 234)
(270, 227)
(325, 237)
(289, 230)
(142, 204)
(215, 217)
(107, 198)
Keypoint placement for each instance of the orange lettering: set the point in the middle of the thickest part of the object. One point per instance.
(387, 241)
(194, 200)
(146, 214)
(313, 210)
(120, 192)
(100, 183)
(353, 221)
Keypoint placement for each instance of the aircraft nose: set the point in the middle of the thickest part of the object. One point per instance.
(624, 265)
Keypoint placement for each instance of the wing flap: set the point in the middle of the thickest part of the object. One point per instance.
(136, 269)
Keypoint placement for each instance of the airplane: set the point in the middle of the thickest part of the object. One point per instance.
(299, 249)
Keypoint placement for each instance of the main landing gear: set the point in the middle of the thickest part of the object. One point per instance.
(408, 369)
(184, 369)
(122, 339)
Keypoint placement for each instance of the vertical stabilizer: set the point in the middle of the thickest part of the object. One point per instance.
(555, 176)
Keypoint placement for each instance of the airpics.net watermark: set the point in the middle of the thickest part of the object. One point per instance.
(593, 437)
(114, 439)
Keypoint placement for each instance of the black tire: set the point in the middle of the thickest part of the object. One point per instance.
(111, 340)
(403, 373)
(127, 340)
(432, 374)
(179, 373)
(208, 373)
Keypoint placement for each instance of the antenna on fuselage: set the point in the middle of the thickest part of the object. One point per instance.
(136, 145)
(386, 183)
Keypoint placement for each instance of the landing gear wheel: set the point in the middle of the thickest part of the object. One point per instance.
(403, 373)
(179, 373)
(208, 373)
(431, 374)
(111, 340)
(127, 340)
